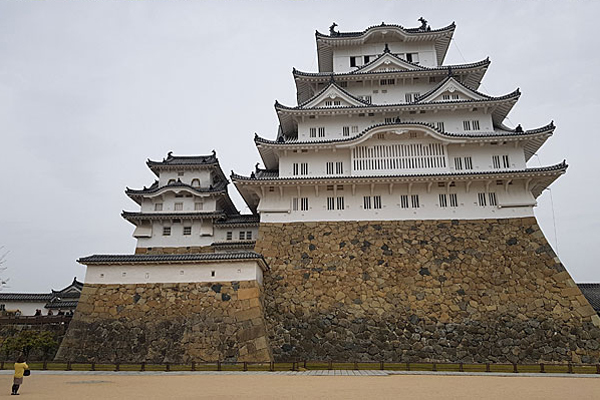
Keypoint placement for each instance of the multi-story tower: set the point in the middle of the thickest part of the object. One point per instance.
(385, 131)
(188, 209)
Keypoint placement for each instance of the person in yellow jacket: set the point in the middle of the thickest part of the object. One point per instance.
(20, 367)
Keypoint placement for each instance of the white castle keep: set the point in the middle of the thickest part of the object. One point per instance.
(385, 131)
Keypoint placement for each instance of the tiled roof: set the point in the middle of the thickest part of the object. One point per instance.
(450, 27)
(220, 187)
(61, 304)
(131, 216)
(358, 71)
(26, 296)
(495, 134)
(266, 175)
(168, 258)
(184, 160)
(245, 219)
(591, 291)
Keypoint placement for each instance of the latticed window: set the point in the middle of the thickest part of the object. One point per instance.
(443, 200)
(229, 235)
(346, 131)
(376, 202)
(322, 131)
(492, 198)
(367, 202)
(404, 201)
(187, 230)
(178, 206)
(481, 199)
(414, 199)
(453, 200)
(304, 204)
(467, 125)
(399, 157)
(331, 203)
(340, 203)
(312, 132)
(166, 231)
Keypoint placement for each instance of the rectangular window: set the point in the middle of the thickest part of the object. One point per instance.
(295, 169)
(295, 204)
(313, 132)
(242, 235)
(346, 131)
(492, 198)
(355, 129)
(166, 231)
(387, 81)
(475, 125)
(339, 167)
(367, 59)
(321, 131)
(304, 168)
(331, 203)
(458, 165)
(187, 230)
(496, 161)
(468, 163)
(229, 235)
(443, 200)
(377, 202)
(343, 84)
(453, 200)
(445, 97)
(432, 79)
(467, 125)
(178, 206)
(367, 98)
(414, 199)
(248, 235)
(505, 161)
(158, 207)
(353, 61)
(198, 206)
(440, 126)
(340, 203)
(388, 120)
(412, 57)
(329, 168)
(367, 202)
(404, 201)
(410, 97)
(481, 199)
(328, 103)
(304, 204)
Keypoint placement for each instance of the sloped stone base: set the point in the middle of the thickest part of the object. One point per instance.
(471, 291)
(174, 322)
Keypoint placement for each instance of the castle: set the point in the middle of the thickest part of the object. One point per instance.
(393, 220)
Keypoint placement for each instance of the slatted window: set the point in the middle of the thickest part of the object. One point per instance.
(187, 230)
(242, 235)
(443, 200)
(453, 200)
(496, 162)
(304, 204)
(414, 200)
(321, 131)
(367, 202)
(328, 103)
(229, 235)
(387, 81)
(346, 131)
(198, 206)
(410, 97)
(178, 206)
(329, 168)
(505, 161)
(467, 125)
(468, 163)
(376, 202)
(475, 125)
(313, 132)
(458, 165)
(166, 231)
(440, 126)
(367, 98)
(404, 201)
(248, 235)
(412, 57)
(355, 129)
(398, 157)
(158, 206)
(339, 167)
(295, 204)
(492, 199)
(445, 97)
(331, 203)
(481, 199)
(300, 168)
(340, 203)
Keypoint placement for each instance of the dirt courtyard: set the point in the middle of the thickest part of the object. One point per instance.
(302, 387)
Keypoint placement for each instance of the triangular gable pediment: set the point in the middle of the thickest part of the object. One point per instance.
(451, 90)
(387, 62)
(333, 96)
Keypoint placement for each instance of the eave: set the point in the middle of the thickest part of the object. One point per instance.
(138, 195)
(135, 217)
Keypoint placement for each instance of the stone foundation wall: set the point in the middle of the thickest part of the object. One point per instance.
(8, 330)
(169, 322)
(471, 291)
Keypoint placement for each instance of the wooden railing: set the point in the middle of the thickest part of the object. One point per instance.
(568, 368)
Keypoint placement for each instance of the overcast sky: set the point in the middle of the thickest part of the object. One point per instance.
(90, 89)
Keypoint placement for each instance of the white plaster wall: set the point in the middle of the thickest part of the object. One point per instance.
(202, 234)
(27, 308)
(174, 273)
(169, 199)
(274, 208)
(341, 55)
(453, 122)
(481, 155)
(203, 174)
(221, 233)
